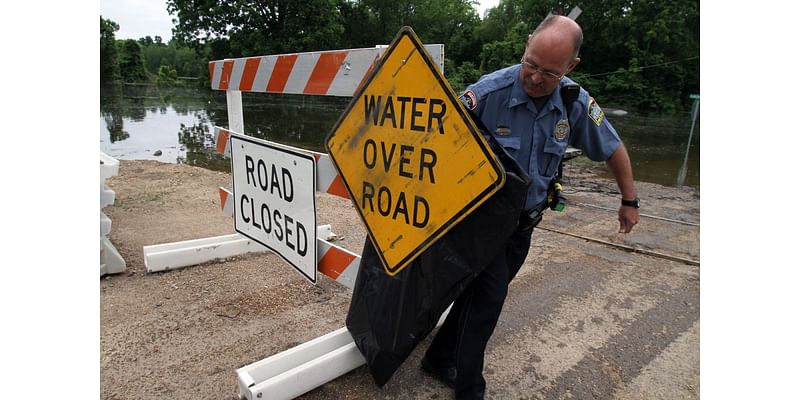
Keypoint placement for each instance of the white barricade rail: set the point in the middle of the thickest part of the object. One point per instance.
(303, 368)
(169, 256)
(111, 261)
(317, 361)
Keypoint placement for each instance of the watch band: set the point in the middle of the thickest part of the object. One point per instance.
(631, 203)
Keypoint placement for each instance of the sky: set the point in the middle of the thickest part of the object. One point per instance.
(140, 18)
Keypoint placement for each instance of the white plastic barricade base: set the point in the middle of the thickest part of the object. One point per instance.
(111, 261)
(107, 196)
(169, 256)
(105, 224)
(109, 166)
(300, 369)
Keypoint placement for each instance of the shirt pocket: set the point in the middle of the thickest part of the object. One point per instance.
(551, 156)
(510, 143)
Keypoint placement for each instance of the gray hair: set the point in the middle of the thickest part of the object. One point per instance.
(550, 21)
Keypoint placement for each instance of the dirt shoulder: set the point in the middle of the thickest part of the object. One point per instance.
(582, 317)
(183, 333)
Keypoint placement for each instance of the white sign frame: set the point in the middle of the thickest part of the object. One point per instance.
(282, 182)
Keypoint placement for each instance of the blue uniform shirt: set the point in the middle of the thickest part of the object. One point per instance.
(538, 139)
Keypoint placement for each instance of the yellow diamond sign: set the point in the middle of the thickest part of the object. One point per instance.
(412, 160)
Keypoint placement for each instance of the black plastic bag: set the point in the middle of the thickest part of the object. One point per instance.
(390, 315)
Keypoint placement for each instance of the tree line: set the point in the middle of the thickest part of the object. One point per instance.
(147, 60)
(638, 54)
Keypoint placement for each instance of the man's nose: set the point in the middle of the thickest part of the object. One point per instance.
(537, 77)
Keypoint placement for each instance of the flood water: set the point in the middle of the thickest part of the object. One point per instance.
(177, 126)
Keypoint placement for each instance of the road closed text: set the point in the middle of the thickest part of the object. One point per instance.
(274, 187)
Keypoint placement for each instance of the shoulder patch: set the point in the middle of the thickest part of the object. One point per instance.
(595, 112)
(469, 100)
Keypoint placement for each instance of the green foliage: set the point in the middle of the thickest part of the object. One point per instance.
(131, 61)
(167, 76)
(186, 61)
(502, 53)
(109, 68)
(358, 25)
(462, 75)
(640, 54)
(257, 28)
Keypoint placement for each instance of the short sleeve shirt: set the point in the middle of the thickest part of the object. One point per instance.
(538, 138)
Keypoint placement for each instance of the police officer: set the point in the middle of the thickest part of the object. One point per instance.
(523, 107)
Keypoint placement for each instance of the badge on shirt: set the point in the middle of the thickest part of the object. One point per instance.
(595, 113)
(562, 130)
(469, 100)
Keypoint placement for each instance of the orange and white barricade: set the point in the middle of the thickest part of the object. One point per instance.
(327, 73)
(336, 73)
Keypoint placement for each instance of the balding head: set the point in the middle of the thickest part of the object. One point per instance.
(561, 27)
(550, 53)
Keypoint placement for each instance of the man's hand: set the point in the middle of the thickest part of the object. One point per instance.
(628, 217)
(620, 166)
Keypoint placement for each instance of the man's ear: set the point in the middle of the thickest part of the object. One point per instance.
(573, 64)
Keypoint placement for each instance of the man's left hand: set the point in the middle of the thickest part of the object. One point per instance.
(628, 217)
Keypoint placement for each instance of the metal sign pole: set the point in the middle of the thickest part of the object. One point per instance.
(695, 109)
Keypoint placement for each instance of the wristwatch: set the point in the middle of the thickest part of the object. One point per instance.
(631, 203)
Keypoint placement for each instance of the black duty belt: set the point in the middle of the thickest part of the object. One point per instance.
(531, 217)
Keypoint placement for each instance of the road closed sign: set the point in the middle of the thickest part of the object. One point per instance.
(412, 160)
(273, 189)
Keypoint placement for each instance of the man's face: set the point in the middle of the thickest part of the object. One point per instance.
(545, 61)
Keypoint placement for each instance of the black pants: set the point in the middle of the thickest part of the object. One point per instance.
(461, 341)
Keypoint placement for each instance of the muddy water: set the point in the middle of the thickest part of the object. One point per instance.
(177, 126)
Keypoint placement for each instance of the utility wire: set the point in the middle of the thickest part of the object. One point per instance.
(637, 69)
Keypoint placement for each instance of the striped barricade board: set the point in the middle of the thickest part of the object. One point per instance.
(327, 73)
